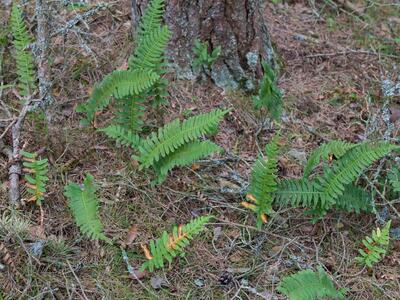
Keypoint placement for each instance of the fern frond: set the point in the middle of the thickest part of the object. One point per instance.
(23, 56)
(159, 92)
(309, 285)
(394, 179)
(345, 170)
(355, 199)
(183, 156)
(175, 134)
(323, 193)
(299, 192)
(121, 135)
(263, 182)
(270, 96)
(151, 18)
(130, 113)
(375, 247)
(171, 245)
(84, 206)
(336, 148)
(149, 54)
(35, 175)
(120, 84)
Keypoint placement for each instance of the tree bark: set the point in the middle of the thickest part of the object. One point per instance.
(238, 26)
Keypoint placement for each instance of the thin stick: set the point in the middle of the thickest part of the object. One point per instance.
(77, 279)
(41, 50)
(15, 168)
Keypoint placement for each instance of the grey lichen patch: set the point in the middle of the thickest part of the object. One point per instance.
(252, 60)
(249, 85)
(223, 78)
(390, 88)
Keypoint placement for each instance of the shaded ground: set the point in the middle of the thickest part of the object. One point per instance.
(332, 63)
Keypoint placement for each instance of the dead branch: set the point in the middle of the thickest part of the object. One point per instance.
(15, 168)
(41, 52)
(79, 18)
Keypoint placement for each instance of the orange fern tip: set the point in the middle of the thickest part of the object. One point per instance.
(251, 198)
(248, 205)
(146, 251)
(264, 218)
(172, 242)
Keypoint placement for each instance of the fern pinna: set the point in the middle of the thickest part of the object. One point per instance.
(170, 146)
(152, 40)
(323, 193)
(143, 79)
(171, 245)
(270, 96)
(35, 175)
(309, 285)
(263, 183)
(23, 56)
(84, 205)
(375, 247)
(120, 85)
(326, 152)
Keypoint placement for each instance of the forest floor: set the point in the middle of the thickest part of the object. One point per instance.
(332, 62)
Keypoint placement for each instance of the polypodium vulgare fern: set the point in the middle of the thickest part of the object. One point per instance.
(152, 18)
(263, 183)
(184, 156)
(83, 202)
(324, 191)
(325, 152)
(309, 285)
(23, 56)
(168, 246)
(35, 175)
(131, 88)
(170, 146)
(119, 84)
(394, 179)
(270, 96)
(122, 136)
(375, 247)
(149, 53)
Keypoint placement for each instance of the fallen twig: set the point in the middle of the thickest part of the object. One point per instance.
(41, 52)
(15, 168)
(79, 18)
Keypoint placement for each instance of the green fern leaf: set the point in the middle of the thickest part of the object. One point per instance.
(130, 113)
(323, 193)
(24, 59)
(394, 179)
(150, 52)
(151, 18)
(355, 199)
(120, 84)
(337, 148)
(270, 95)
(121, 135)
(299, 192)
(375, 247)
(35, 176)
(183, 156)
(345, 170)
(263, 182)
(84, 206)
(175, 134)
(169, 246)
(309, 285)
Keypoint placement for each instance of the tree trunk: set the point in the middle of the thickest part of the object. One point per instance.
(237, 26)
